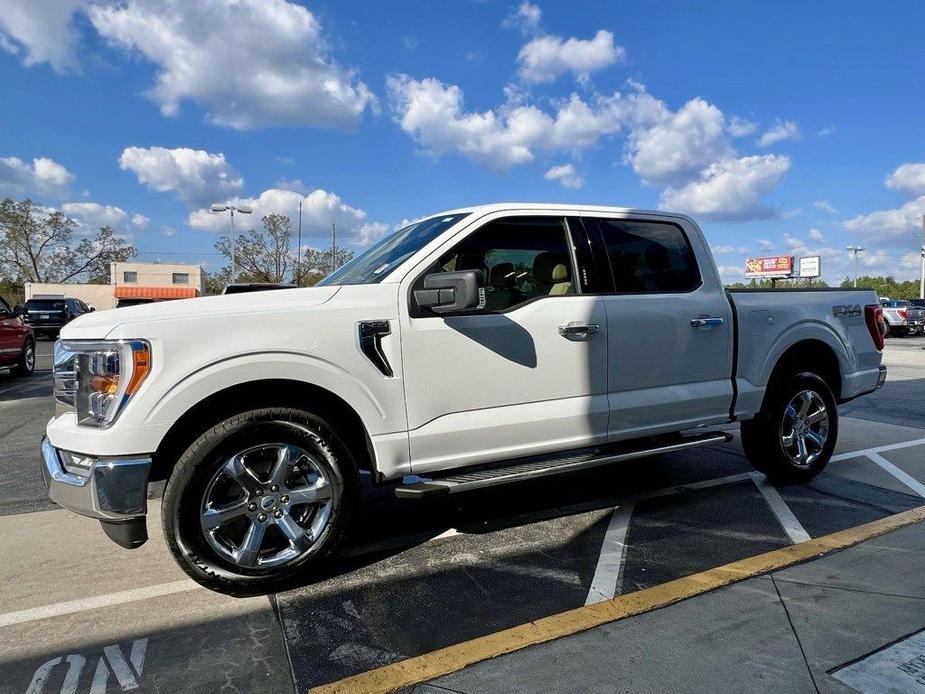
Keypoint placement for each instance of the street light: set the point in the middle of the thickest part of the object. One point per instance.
(227, 207)
(855, 250)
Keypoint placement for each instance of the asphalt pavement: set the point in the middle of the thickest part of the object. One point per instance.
(79, 612)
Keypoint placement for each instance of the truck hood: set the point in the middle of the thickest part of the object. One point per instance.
(102, 324)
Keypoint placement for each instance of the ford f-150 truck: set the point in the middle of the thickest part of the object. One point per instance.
(477, 347)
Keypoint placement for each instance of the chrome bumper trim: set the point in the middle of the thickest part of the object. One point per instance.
(881, 378)
(115, 489)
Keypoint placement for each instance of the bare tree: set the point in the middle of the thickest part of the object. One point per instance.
(36, 246)
(316, 264)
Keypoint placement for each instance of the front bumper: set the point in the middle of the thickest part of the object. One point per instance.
(116, 489)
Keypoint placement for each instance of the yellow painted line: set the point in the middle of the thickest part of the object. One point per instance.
(444, 661)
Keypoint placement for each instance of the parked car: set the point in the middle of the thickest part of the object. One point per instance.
(902, 318)
(46, 316)
(919, 303)
(17, 343)
(244, 287)
(474, 348)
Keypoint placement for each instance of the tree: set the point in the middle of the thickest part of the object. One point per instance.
(886, 286)
(316, 265)
(266, 255)
(36, 246)
(764, 283)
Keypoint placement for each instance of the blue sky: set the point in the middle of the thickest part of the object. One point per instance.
(791, 128)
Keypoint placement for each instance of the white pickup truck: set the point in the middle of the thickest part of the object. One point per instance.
(477, 347)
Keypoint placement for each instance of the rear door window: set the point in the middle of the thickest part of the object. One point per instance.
(648, 257)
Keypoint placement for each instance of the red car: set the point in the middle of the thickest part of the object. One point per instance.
(17, 343)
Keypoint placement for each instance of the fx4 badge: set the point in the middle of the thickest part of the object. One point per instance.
(846, 310)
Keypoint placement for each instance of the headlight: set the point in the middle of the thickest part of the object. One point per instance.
(98, 379)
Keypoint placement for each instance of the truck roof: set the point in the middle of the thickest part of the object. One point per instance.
(587, 209)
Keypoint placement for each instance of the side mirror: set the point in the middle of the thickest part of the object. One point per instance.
(452, 292)
(92, 309)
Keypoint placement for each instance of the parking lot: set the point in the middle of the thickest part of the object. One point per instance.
(79, 614)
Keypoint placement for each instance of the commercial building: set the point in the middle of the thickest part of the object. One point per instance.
(156, 281)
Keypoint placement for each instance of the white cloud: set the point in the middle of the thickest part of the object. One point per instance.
(369, 233)
(901, 223)
(784, 130)
(92, 216)
(679, 146)
(825, 206)
(825, 132)
(320, 209)
(41, 31)
(896, 224)
(728, 249)
(198, 177)
(168, 230)
(765, 245)
(433, 114)
(565, 175)
(816, 235)
(44, 177)
(730, 189)
(740, 127)
(139, 220)
(908, 179)
(249, 63)
(547, 57)
(731, 273)
(526, 17)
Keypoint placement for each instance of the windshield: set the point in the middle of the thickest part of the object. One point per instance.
(376, 262)
(45, 305)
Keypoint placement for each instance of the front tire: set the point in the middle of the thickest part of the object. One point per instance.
(26, 364)
(259, 500)
(793, 437)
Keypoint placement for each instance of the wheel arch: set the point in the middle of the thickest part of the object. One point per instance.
(276, 392)
(812, 355)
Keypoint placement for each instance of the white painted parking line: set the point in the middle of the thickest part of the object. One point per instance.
(878, 449)
(62, 608)
(903, 477)
(796, 532)
(607, 575)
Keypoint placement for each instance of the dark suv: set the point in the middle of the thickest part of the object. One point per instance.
(48, 316)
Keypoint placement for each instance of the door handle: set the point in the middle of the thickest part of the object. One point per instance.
(578, 331)
(706, 321)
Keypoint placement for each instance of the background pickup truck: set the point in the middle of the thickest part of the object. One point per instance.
(476, 347)
(902, 317)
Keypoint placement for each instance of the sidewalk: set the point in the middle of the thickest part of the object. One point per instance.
(791, 630)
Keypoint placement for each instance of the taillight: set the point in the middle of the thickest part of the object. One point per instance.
(903, 313)
(873, 316)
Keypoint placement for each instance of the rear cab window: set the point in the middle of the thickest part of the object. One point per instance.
(45, 305)
(648, 257)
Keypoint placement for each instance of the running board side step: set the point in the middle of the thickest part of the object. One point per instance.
(523, 469)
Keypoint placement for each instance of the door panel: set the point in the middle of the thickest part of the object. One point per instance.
(503, 382)
(669, 330)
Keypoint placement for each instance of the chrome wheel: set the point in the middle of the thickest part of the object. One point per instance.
(269, 505)
(30, 357)
(805, 428)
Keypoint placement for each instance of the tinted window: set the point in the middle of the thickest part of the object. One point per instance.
(649, 257)
(45, 305)
(181, 278)
(5, 310)
(523, 258)
(129, 276)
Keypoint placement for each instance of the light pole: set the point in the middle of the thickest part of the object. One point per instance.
(922, 271)
(298, 262)
(227, 207)
(855, 250)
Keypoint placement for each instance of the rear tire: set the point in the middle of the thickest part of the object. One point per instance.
(793, 437)
(259, 501)
(26, 364)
